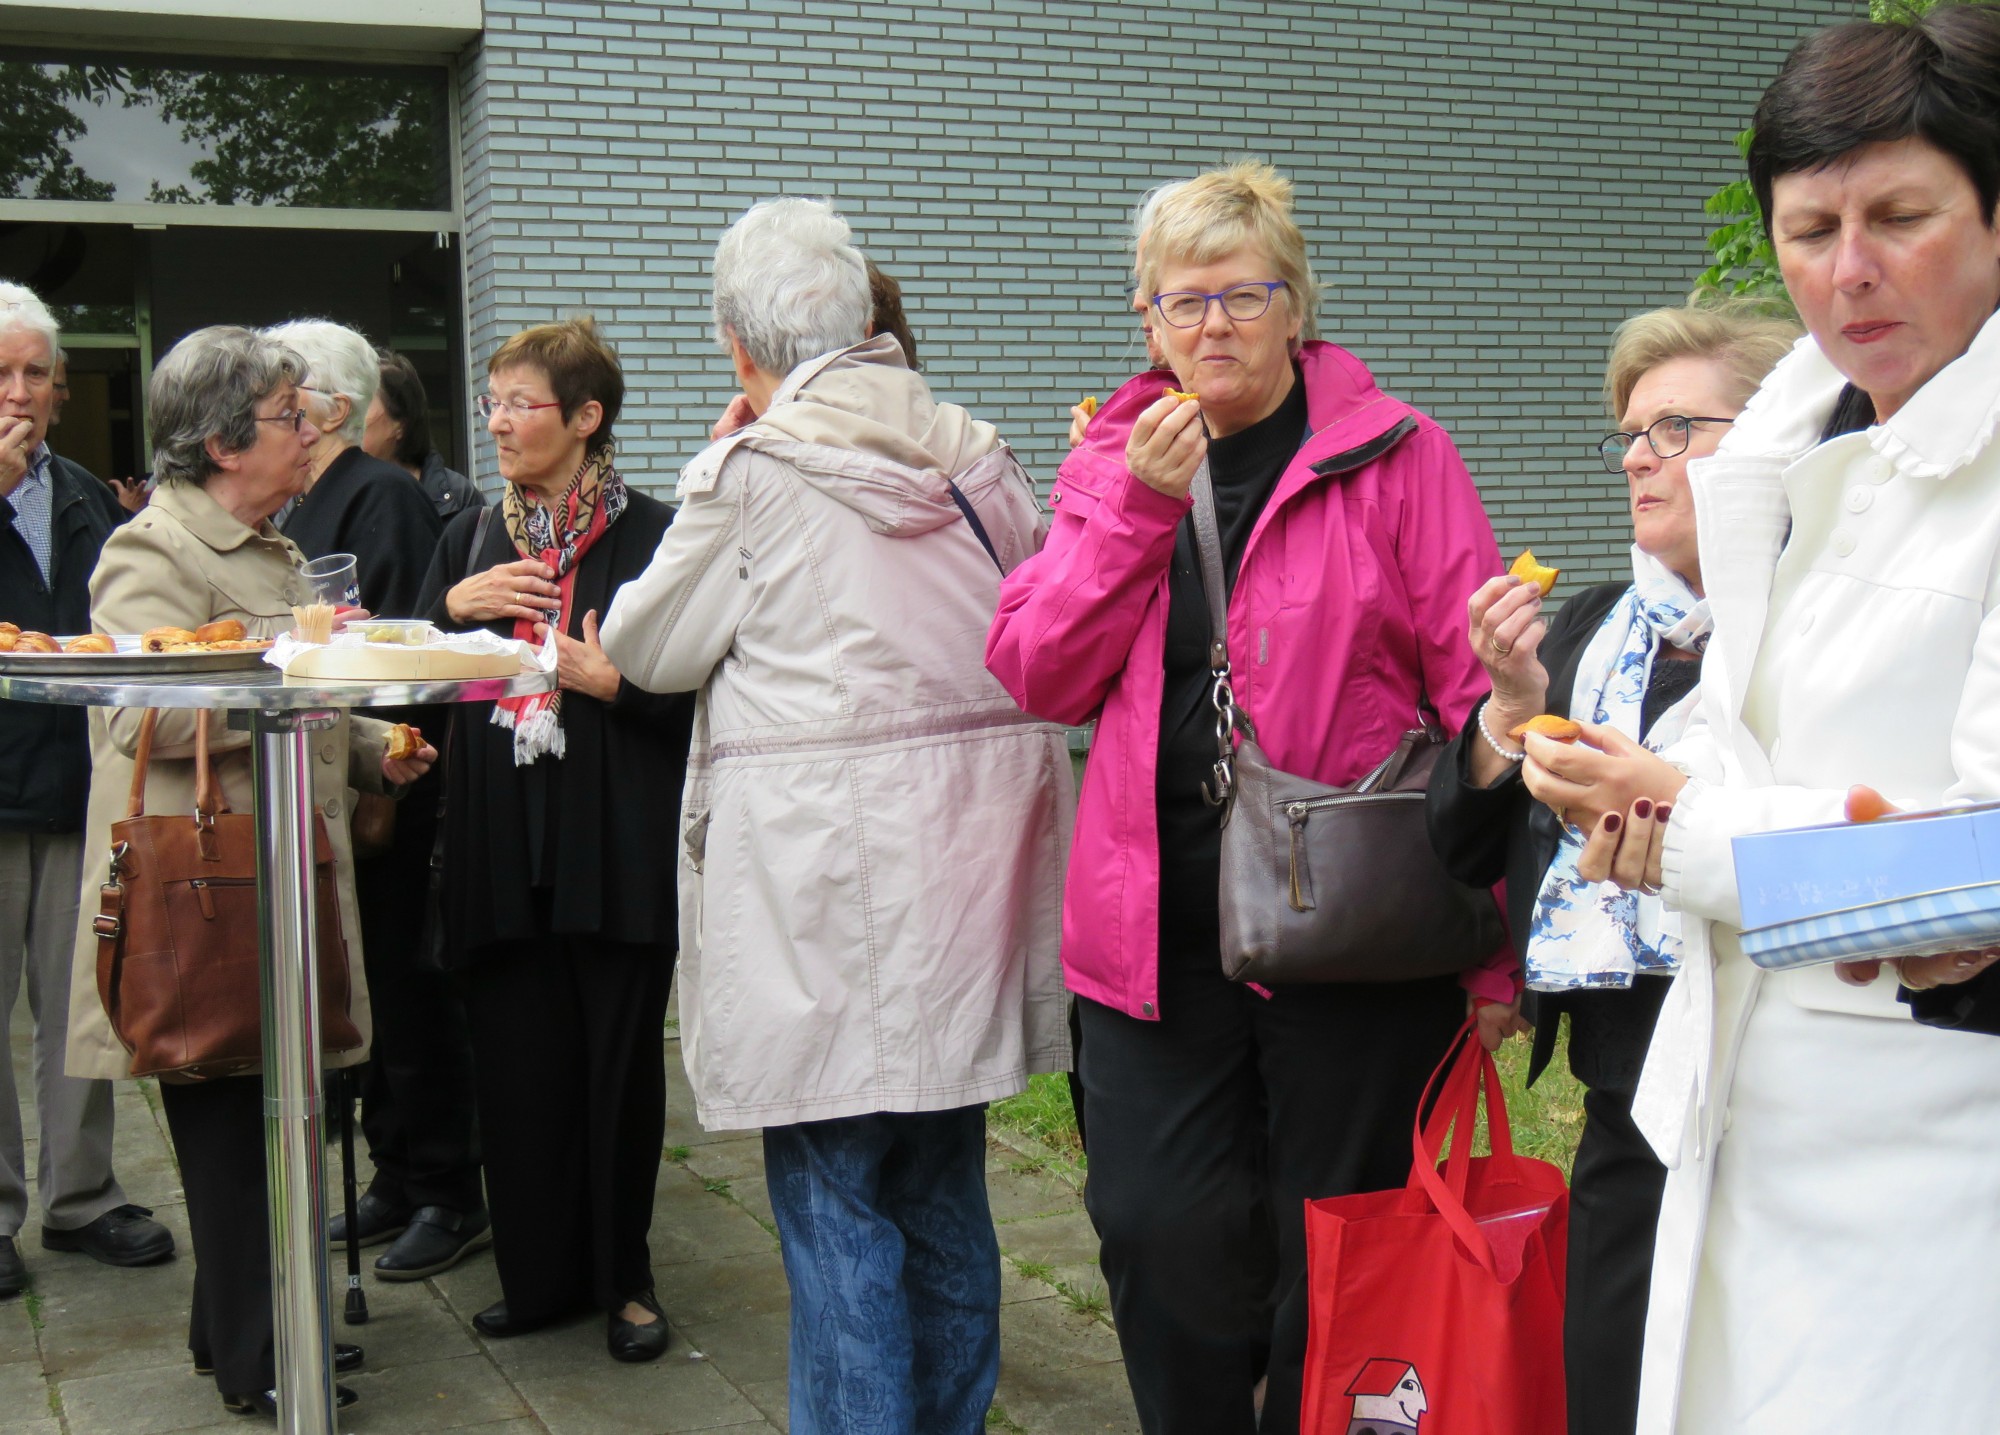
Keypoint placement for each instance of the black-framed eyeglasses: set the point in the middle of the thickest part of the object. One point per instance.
(1185, 308)
(1669, 437)
(295, 417)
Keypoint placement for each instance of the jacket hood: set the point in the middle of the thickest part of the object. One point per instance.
(861, 427)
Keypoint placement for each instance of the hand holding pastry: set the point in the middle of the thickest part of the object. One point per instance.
(1167, 445)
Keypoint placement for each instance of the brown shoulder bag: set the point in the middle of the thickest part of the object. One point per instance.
(1320, 883)
(177, 933)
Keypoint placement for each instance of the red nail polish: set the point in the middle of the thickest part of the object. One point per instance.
(1663, 812)
(1612, 822)
(1643, 808)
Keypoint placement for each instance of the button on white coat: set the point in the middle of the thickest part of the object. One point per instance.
(1842, 542)
(1878, 470)
(1858, 500)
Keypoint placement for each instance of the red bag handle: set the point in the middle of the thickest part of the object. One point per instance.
(1467, 1068)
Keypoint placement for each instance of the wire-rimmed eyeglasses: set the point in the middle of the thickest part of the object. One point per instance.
(486, 406)
(1185, 308)
(1669, 437)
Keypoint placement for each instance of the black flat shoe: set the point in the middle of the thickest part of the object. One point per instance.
(375, 1221)
(496, 1324)
(13, 1270)
(265, 1402)
(346, 1360)
(633, 1343)
(437, 1239)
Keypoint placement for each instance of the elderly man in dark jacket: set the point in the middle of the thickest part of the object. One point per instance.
(54, 516)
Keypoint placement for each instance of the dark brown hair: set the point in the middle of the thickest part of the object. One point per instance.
(1935, 77)
(887, 296)
(403, 399)
(579, 365)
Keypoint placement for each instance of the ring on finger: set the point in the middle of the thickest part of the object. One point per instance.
(1500, 652)
(1648, 889)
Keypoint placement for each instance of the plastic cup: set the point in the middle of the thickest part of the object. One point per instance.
(334, 580)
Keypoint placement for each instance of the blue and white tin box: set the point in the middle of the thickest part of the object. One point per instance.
(1902, 886)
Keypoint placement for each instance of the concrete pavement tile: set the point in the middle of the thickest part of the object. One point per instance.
(433, 1395)
(17, 1330)
(411, 1335)
(668, 1396)
(149, 1402)
(698, 1292)
(467, 1289)
(1047, 1334)
(1062, 1239)
(773, 1397)
(72, 1350)
(1015, 1286)
(747, 1350)
(24, 1391)
(572, 1345)
(1016, 1191)
(1091, 1400)
(739, 1159)
(75, 1289)
(50, 1426)
(690, 1223)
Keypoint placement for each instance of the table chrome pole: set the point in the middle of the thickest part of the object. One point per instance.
(294, 1153)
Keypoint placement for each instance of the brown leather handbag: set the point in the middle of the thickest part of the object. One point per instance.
(1320, 883)
(177, 933)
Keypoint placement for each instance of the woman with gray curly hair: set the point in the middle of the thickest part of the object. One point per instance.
(231, 444)
(873, 834)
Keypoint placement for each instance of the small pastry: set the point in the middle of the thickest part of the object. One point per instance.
(9, 629)
(1529, 571)
(8, 640)
(36, 643)
(1183, 396)
(1089, 405)
(222, 630)
(158, 640)
(1548, 725)
(404, 741)
(91, 643)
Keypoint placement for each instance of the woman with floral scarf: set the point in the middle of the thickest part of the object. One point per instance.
(557, 806)
(1627, 656)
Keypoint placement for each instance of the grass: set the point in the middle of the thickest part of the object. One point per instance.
(33, 1300)
(1546, 1120)
(677, 1153)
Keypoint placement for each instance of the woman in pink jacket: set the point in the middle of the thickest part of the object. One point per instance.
(1351, 534)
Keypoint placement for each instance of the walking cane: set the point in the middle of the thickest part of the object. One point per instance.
(357, 1299)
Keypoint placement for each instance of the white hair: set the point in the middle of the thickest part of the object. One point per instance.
(22, 308)
(1143, 212)
(790, 285)
(338, 361)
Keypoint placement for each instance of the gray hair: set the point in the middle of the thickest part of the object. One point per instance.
(22, 308)
(208, 387)
(1144, 212)
(789, 284)
(338, 361)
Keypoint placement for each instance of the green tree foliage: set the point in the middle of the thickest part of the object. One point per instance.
(37, 124)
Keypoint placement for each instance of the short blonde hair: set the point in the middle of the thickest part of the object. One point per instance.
(1746, 338)
(1219, 212)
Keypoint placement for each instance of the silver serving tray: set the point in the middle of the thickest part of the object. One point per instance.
(128, 661)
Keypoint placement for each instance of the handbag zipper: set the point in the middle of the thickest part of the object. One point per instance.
(1300, 812)
(201, 892)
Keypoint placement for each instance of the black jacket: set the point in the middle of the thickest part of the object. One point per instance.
(449, 491)
(377, 512)
(614, 797)
(45, 779)
(1484, 834)
(1972, 1006)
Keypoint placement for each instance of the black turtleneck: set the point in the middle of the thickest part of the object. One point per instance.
(1244, 469)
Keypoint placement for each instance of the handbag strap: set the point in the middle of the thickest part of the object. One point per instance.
(1222, 693)
(1466, 1070)
(208, 798)
(972, 520)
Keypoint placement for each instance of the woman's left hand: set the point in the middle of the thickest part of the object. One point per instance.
(1496, 1021)
(404, 770)
(581, 666)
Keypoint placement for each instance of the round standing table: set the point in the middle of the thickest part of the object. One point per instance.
(280, 714)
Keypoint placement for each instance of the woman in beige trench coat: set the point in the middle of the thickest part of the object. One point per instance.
(230, 448)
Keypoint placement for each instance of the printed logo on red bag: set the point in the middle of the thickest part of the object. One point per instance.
(1388, 1399)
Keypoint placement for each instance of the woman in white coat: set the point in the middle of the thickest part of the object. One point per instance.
(873, 834)
(1833, 1206)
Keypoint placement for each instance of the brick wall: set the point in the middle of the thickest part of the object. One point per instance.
(1488, 188)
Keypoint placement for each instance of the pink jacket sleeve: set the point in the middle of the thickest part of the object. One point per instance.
(1068, 615)
(1445, 548)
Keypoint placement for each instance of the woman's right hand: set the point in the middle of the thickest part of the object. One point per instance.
(1505, 631)
(522, 590)
(1167, 445)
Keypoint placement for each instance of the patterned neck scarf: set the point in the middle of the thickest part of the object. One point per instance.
(1593, 934)
(559, 534)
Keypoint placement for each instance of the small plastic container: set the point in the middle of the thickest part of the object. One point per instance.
(396, 632)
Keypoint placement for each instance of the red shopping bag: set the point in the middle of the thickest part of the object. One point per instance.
(1438, 1309)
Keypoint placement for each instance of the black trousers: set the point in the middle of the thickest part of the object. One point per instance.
(1209, 1129)
(218, 1131)
(416, 1090)
(566, 1036)
(1614, 1210)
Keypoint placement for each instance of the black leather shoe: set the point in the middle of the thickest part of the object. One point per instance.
(13, 1270)
(496, 1324)
(346, 1360)
(438, 1238)
(122, 1236)
(633, 1343)
(375, 1221)
(265, 1402)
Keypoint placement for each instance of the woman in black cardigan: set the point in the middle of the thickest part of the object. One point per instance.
(1629, 655)
(557, 904)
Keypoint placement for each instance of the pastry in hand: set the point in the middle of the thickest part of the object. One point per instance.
(405, 741)
(158, 640)
(1183, 396)
(91, 643)
(1548, 725)
(1529, 571)
(222, 630)
(1089, 405)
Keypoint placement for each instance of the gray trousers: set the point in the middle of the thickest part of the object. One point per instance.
(39, 878)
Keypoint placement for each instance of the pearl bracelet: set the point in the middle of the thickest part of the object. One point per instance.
(1494, 742)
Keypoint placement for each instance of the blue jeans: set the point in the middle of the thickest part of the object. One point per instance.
(894, 1270)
